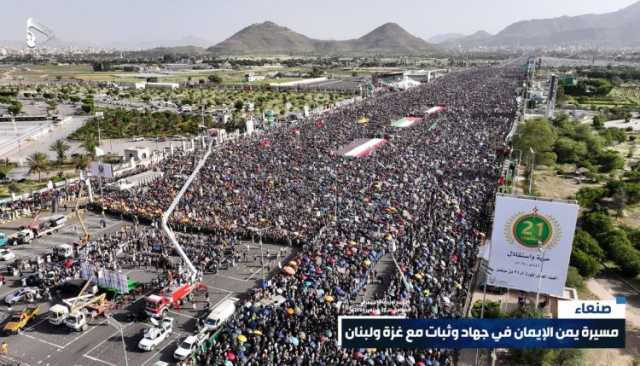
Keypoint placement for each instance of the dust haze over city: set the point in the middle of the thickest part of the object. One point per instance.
(319, 183)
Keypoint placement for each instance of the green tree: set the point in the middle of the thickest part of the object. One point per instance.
(588, 196)
(15, 108)
(14, 188)
(583, 241)
(215, 78)
(597, 224)
(569, 150)
(89, 144)
(38, 163)
(80, 162)
(598, 122)
(610, 160)
(60, 148)
(536, 134)
(587, 265)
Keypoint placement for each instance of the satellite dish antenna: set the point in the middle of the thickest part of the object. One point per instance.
(32, 26)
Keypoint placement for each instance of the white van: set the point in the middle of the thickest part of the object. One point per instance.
(220, 314)
(63, 251)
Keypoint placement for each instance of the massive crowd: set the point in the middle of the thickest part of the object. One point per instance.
(420, 198)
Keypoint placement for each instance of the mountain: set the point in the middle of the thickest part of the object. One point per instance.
(445, 37)
(466, 41)
(269, 38)
(616, 29)
(265, 38)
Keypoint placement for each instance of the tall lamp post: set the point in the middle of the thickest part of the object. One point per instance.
(114, 323)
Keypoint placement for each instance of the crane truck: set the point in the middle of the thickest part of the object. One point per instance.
(157, 305)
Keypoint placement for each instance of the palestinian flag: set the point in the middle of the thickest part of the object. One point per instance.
(434, 110)
(406, 122)
(361, 148)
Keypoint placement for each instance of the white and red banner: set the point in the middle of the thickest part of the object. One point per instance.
(361, 148)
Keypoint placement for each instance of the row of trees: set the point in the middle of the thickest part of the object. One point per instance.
(564, 140)
(39, 163)
(122, 123)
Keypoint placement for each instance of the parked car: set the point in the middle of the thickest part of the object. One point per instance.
(7, 255)
(20, 295)
(155, 335)
(188, 346)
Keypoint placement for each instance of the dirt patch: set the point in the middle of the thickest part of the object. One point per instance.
(551, 185)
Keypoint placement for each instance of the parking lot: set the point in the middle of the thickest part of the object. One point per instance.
(102, 344)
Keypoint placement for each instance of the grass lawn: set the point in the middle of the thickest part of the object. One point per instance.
(26, 186)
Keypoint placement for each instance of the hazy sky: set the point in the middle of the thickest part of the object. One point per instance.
(215, 20)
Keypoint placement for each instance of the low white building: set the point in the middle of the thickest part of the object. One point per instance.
(163, 85)
(250, 77)
(131, 84)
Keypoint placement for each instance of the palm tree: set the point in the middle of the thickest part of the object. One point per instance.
(80, 162)
(60, 148)
(89, 143)
(38, 163)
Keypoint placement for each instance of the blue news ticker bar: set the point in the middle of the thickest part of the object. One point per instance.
(380, 332)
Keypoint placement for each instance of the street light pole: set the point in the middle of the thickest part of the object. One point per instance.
(114, 323)
(532, 167)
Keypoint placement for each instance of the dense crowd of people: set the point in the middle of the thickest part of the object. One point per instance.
(419, 198)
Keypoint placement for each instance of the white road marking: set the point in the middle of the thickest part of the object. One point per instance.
(180, 314)
(36, 324)
(82, 334)
(253, 274)
(220, 289)
(99, 360)
(43, 341)
(159, 351)
(106, 339)
(232, 278)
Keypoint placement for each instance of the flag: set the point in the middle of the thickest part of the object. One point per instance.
(265, 142)
(319, 123)
(363, 120)
(406, 122)
(361, 148)
(296, 131)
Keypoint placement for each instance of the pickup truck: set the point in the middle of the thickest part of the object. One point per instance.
(20, 319)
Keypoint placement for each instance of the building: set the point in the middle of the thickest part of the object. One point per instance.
(137, 154)
(163, 85)
(131, 84)
(251, 77)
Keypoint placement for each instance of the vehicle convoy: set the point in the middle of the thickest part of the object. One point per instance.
(20, 319)
(155, 334)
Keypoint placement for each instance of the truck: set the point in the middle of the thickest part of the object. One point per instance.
(159, 305)
(4, 239)
(38, 228)
(20, 319)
